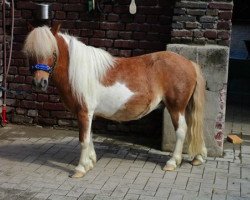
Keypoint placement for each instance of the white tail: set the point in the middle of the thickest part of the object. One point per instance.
(195, 117)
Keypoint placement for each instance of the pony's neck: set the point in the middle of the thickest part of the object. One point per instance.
(60, 75)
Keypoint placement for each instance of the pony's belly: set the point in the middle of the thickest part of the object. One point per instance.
(135, 109)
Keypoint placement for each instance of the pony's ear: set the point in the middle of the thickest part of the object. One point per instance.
(55, 28)
(30, 27)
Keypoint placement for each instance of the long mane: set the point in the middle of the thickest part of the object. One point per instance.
(87, 66)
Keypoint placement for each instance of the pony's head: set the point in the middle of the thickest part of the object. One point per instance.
(41, 48)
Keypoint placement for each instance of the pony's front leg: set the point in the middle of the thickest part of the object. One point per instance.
(180, 125)
(88, 155)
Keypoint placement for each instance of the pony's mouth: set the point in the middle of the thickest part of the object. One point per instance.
(41, 85)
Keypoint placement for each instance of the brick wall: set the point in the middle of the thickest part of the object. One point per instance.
(202, 22)
(115, 30)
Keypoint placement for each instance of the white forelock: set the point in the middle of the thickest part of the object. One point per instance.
(40, 43)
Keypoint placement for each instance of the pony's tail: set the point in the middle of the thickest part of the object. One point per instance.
(195, 117)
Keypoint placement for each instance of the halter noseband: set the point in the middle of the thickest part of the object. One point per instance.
(44, 67)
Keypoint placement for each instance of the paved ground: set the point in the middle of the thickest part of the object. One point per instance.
(35, 163)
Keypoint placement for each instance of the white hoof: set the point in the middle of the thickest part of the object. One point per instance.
(171, 165)
(78, 174)
(198, 160)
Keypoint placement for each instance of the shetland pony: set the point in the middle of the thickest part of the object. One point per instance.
(93, 82)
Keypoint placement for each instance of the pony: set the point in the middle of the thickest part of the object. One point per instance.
(91, 82)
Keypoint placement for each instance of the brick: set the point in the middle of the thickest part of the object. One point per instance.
(28, 104)
(21, 119)
(32, 113)
(198, 12)
(26, 5)
(87, 32)
(125, 35)
(140, 18)
(200, 40)
(224, 25)
(209, 25)
(53, 106)
(191, 25)
(231, 138)
(72, 15)
(125, 18)
(98, 42)
(207, 19)
(151, 45)
(60, 15)
(98, 33)
(225, 15)
(192, 4)
(61, 114)
(184, 18)
(181, 33)
(139, 35)
(125, 53)
(42, 97)
(177, 25)
(54, 98)
(126, 44)
(111, 26)
(221, 5)
(138, 27)
(73, 7)
(211, 34)
(179, 11)
(113, 17)
(212, 12)
(152, 19)
(47, 121)
(112, 34)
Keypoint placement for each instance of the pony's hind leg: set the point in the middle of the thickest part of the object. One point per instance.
(88, 155)
(180, 126)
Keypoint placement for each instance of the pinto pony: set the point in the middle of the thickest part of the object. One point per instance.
(93, 82)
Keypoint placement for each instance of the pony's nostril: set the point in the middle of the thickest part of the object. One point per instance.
(44, 83)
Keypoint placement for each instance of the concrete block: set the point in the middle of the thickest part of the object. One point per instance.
(213, 60)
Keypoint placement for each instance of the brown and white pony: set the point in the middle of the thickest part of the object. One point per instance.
(93, 82)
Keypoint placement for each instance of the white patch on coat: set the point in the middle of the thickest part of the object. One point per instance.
(112, 98)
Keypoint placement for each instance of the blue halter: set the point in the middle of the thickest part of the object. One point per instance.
(42, 67)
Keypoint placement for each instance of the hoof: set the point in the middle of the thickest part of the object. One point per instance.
(169, 167)
(77, 174)
(196, 162)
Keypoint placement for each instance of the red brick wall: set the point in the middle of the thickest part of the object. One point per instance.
(202, 22)
(115, 30)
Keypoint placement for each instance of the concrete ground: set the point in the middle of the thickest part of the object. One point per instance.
(35, 163)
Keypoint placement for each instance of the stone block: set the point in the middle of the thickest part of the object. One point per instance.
(213, 60)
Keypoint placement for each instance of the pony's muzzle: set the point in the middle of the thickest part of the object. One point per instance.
(41, 84)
